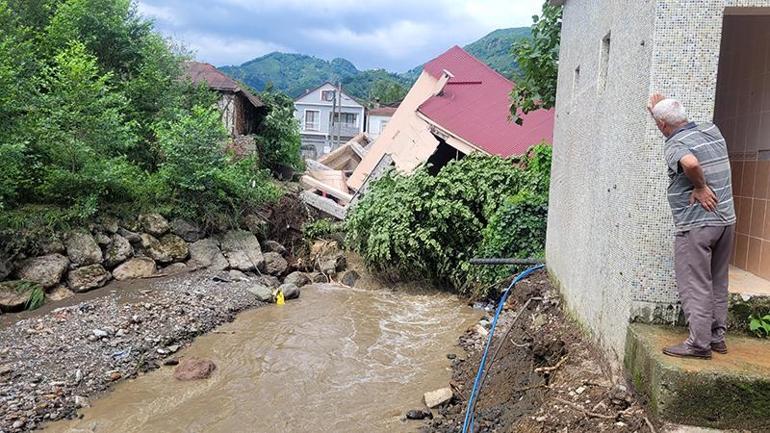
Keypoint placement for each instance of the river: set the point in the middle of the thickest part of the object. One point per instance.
(337, 360)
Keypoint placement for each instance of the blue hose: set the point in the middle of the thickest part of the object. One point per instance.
(469, 411)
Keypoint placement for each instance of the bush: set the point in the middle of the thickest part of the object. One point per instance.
(321, 229)
(419, 226)
(278, 138)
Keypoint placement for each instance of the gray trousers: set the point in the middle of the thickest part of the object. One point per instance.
(702, 261)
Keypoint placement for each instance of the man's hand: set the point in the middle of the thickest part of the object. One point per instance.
(706, 197)
(654, 99)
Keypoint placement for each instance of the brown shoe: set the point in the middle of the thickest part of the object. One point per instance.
(720, 347)
(685, 351)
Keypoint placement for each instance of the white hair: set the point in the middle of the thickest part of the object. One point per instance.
(669, 111)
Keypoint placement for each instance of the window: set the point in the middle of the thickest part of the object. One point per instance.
(327, 95)
(575, 82)
(604, 63)
(348, 120)
(312, 120)
(383, 124)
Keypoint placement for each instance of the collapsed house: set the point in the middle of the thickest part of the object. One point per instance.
(457, 106)
(242, 111)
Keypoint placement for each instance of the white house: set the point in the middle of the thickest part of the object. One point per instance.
(377, 118)
(322, 130)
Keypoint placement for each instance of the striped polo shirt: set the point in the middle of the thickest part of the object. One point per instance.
(706, 143)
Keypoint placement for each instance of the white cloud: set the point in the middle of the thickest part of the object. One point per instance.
(396, 41)
(227, 51)
(159, 13)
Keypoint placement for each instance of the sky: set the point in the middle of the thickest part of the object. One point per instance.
(392, 34)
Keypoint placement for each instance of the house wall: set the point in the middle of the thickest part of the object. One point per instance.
(374, 125)
(407, 137)
(318, 142)
(228, 107)
(610, 232)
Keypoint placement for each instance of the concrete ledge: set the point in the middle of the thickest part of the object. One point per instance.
(728, 391)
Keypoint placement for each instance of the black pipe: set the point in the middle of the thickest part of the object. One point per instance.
(501, 261)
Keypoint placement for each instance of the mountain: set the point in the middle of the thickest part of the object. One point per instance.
(296, 73)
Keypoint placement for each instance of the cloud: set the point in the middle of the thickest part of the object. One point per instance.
(392, 34)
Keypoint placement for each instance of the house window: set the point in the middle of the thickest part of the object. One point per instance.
(604, 64)
(383, 124)
(312, 120)
(348, 120)
(327, 95)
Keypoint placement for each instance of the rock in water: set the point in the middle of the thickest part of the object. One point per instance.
(349, 278)
(242, 251)
(46, 270)
(138, 267)
(82, 249)
(275, 264)
(12, 297)
(262, 293)
(119, 251)
(438, 397)
(268, 280)
(194, 369)
(154, 224)
(290, 291)
(274, 247)
(87, 278)
(205, 253)
(419, 414)
(299, 279)
(188, 231)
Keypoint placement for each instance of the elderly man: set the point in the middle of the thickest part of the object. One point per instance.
(701, 199)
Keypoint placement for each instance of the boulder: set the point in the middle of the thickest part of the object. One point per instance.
(268, 280)
(438, 397)
(52, 245)
(205, 253)
(330, 265)
(102, 239)
(82, 249)
(58, 293)
(173, 269)
(87, 278)
(255, 224)
(237, 276)
(194, 369)
(274, 247)
(170, 248)
(46, 271)
(263, 293)
(13, 296)
(186, 230)
(132, 237)
(109, 224)
(242, 251)
(349, 278)
(299, 279)
(290, 291)
(119, 251)
(154, 224)
(275, 264)
(318, 277)
(138, 267)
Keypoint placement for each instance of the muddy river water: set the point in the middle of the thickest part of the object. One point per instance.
(336, 360)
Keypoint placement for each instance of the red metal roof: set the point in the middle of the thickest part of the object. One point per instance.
(474, 106)
(382, 111)
(199, 72)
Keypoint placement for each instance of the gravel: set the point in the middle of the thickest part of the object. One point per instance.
(51, 364)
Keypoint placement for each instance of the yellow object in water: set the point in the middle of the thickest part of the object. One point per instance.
(279, 298)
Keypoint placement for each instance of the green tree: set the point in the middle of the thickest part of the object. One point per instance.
(387, 92)
(278, 138)
(538, 60)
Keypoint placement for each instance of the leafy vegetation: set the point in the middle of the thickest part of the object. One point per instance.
(293, 74)
(420, 226)
(321, 229)
(95, 117)
(538, 61)
(279, 140)
(760, 325)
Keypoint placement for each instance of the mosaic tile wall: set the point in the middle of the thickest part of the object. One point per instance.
(610, 232)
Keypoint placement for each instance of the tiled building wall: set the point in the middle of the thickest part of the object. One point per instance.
(743, 113)
(610, 232)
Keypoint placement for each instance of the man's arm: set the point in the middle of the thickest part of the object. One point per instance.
(701, 192)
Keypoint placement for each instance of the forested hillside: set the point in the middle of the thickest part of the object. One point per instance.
(296, 73)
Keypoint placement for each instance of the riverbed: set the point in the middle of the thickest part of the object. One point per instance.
(339, 359)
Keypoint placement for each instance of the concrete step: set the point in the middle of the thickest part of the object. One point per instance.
(727, 392)
(749, 294)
